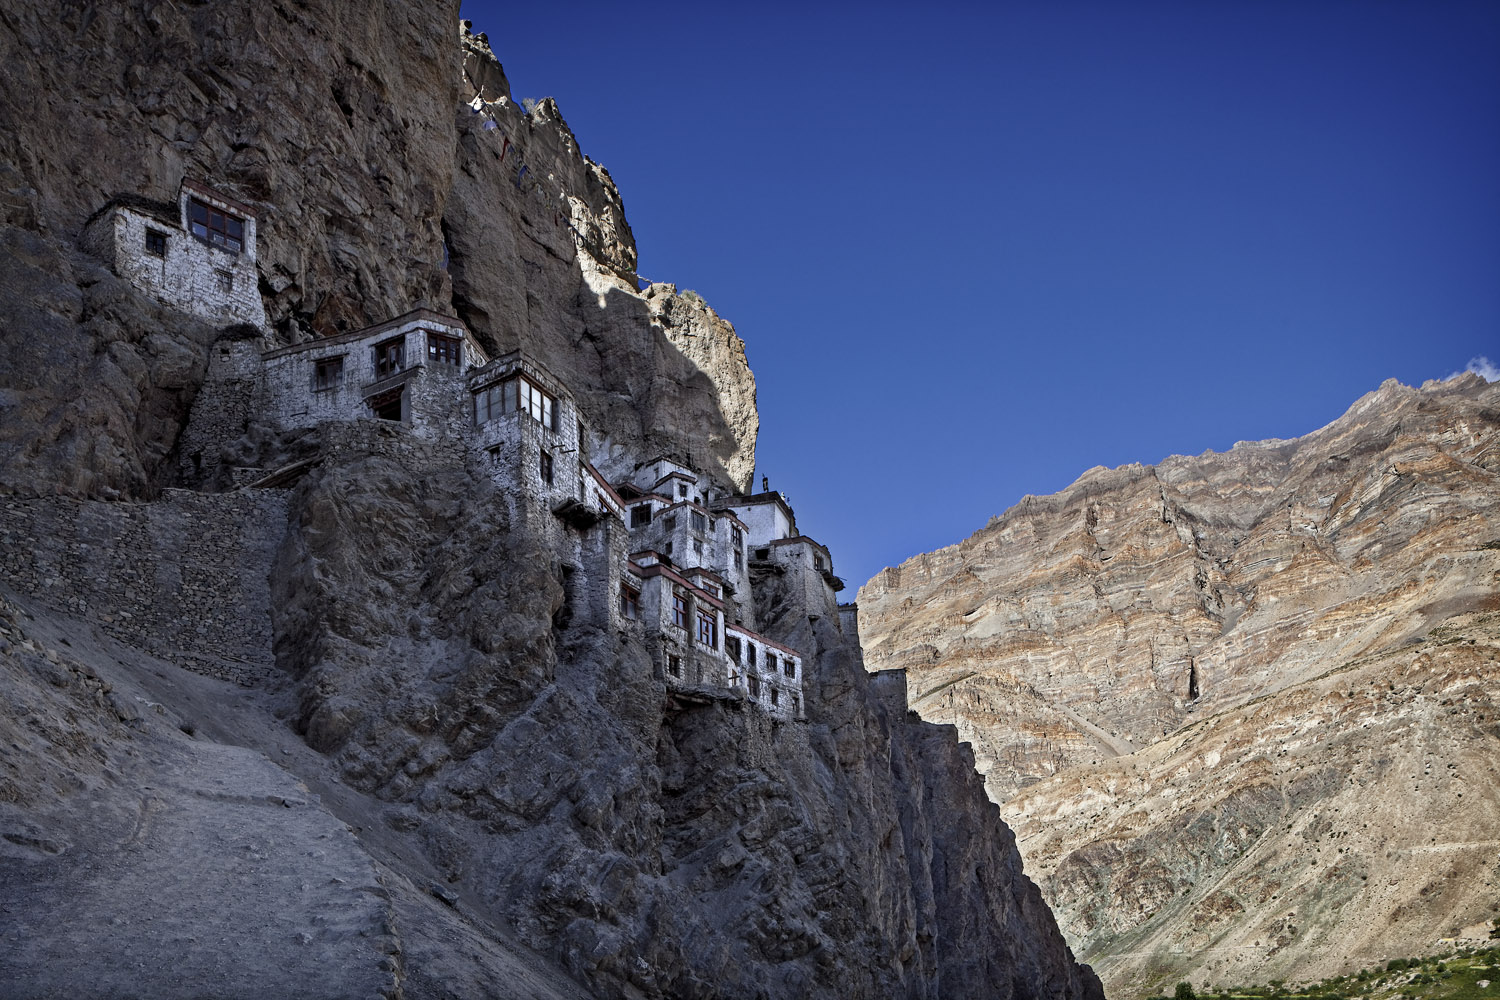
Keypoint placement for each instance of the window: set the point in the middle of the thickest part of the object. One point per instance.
(542, 407)
(762, 554)
(444, 350)
(700, 523)
(739, 560)
(796, 705)
(214, 227)
(668, 548)
(770, 661)
(225, 280)
(682, 491)
(546, 467)
(818, 562)
(630, 601)
(674, 666)
(732, 647)
(736, 537)
(697, 547)
(328, 373)
(511, 395)
(156, 243)
(750, 653)
(790, 667)
(390, 357)
(679, 610)
(708, 628)
(640, 515)
(387, 405)
(669, 524)
(775, 694)
(754, 685)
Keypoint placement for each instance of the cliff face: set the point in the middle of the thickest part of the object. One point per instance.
(347, 735)
(1236, 705)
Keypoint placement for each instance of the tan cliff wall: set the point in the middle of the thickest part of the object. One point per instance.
(1281, 596)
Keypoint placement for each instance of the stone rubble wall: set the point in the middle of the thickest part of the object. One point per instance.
(183, 578)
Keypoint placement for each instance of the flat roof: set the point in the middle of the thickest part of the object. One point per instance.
(405, 319)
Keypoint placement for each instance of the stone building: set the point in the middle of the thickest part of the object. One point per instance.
(196, 255)
(662, 554)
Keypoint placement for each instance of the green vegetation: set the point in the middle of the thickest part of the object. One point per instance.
(693, 296)
(1454, 976)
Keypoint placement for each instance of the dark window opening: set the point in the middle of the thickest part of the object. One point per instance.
(214, 227)
(679, 611)
(770, 661)
(630, 601)
(736, 537)
(668, 548)
(387, 405)
(790, 667)
(754, 685)
(697, 546)
(796, 705)
(225, 280)
(669, 524)
(640, 515)
(739, 560)
(682, 491)
(775, 695)
(674, 666)
(390, 357)
(700, 523)
(732, 647)
(546, 468)
(750, 653)
(762, 554)
(156, 243)
(444, 350)
(818, 562)
(328, 373)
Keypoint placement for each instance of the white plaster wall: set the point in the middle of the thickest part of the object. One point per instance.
(187, 277)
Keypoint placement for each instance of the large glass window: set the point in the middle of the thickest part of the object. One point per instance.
(679, 611)
(214, 227)
(708, 628)
(513, 394)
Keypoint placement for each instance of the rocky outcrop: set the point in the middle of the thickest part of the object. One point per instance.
(409, 767)
(1177, 678)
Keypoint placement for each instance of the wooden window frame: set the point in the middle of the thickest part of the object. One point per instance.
(789, 667)
(156, 242)
(215, 226)
(390, 357)
(708, 629)
(680, 610)
(444, 349)
(328, 373)
(630, 601)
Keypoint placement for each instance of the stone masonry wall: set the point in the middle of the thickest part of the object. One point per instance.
(183, 578)
(193, 275)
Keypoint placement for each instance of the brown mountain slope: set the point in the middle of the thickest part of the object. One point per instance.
(1179, 678)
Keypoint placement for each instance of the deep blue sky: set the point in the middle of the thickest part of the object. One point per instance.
(974, 250)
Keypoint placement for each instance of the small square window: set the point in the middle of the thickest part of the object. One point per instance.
(328, 373)
(640, 515)
(156, 243)
(226, 280)
(682, 490)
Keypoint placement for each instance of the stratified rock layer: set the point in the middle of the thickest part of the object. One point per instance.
(1229, 702)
